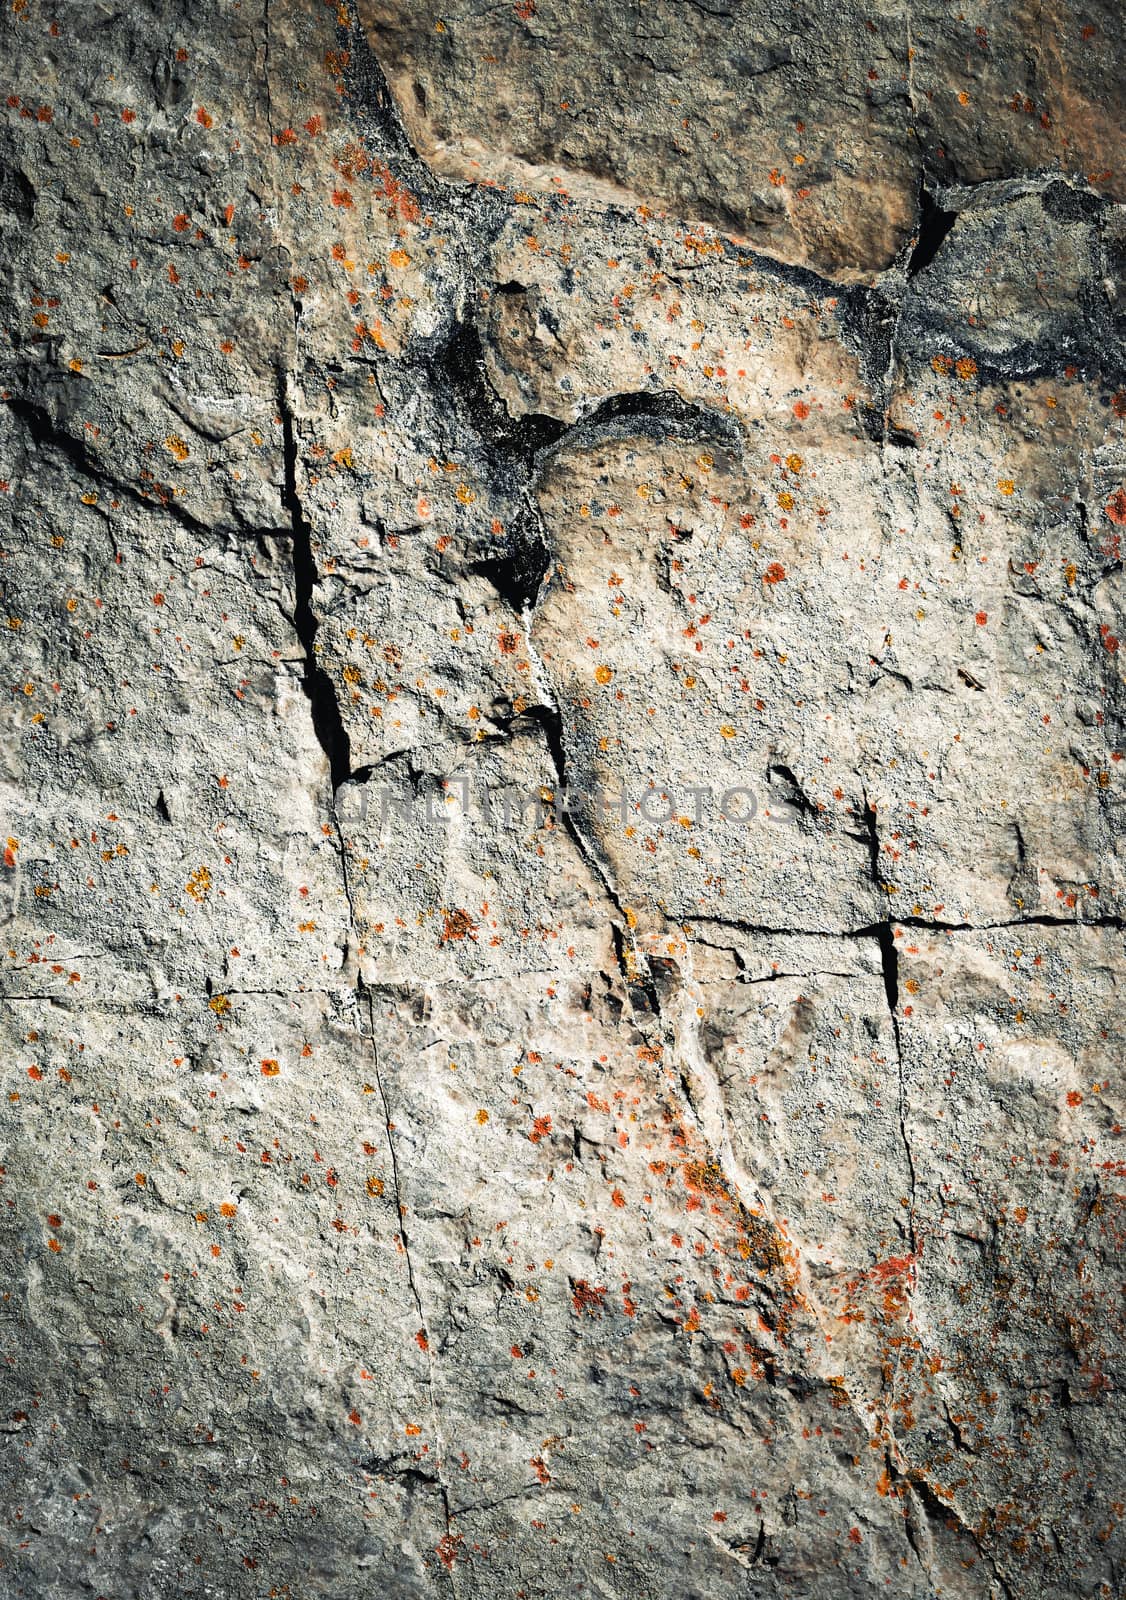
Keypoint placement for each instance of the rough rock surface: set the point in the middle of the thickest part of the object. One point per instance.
(710, 414)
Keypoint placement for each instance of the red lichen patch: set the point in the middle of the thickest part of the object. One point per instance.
(457, 924)
(586, 1298)
(775, 573)
(447, 1549)
(1116, 507)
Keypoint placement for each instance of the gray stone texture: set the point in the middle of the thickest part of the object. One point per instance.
(630, 402)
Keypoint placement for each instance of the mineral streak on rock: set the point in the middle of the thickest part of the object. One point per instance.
(562, 861)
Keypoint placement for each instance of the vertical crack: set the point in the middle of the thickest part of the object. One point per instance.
(884, 934)
(404, 1235)
(328, 724)
(889, 960)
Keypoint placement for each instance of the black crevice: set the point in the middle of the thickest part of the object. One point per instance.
(518, 570)
(328, 724)
(884, 935)
(934, 224)
(657, 411)
(459, 369)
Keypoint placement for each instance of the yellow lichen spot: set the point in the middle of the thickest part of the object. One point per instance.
(15, 624)
(90, 498)
(343, 458)
(74, 364)
(465, 494)
(270, 1068)
(199, 885)
(482, 1116)
(727, 731)
(1006, 485)
(786, 500)
(374, 1187)
(220, 1004)
(350, 674)
(399, 258)
(176, 447)
(603, 673)
(794, 463)
(966, 368)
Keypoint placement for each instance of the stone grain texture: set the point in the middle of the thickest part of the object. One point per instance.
(490, 1201)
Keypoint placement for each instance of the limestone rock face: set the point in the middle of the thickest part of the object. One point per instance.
(563, 877)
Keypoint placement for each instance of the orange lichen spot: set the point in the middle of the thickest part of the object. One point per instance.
(199, 885)
(270, 1067)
